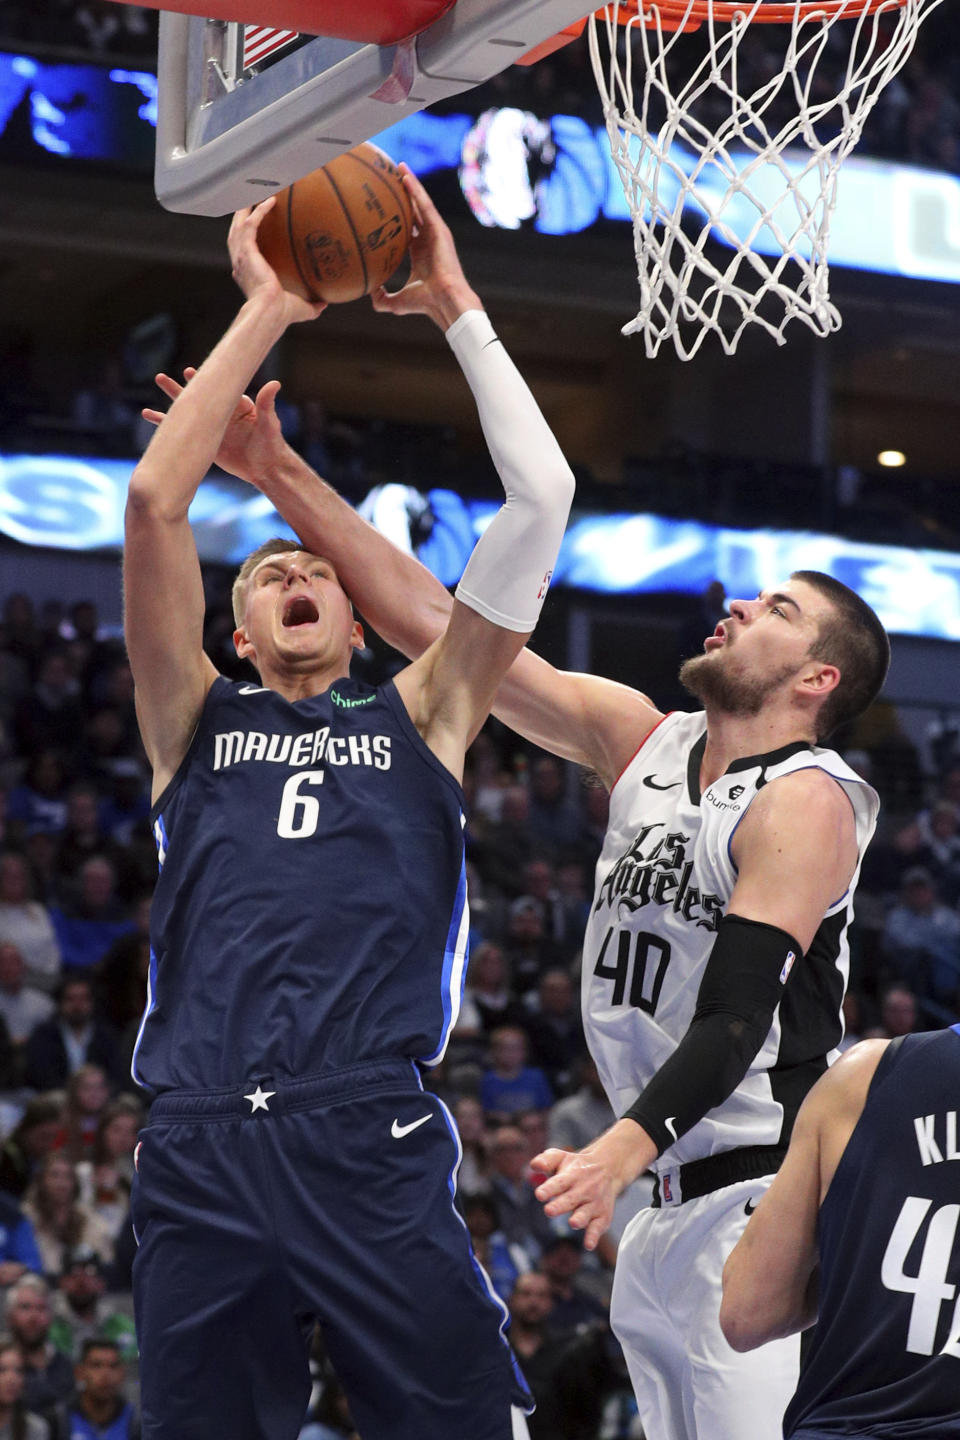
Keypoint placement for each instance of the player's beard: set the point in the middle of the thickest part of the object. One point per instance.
(717, 687)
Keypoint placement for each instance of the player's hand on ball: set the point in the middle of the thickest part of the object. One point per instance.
(437, 286)
(253, 273)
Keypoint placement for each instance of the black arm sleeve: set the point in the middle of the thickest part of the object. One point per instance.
(741, 987)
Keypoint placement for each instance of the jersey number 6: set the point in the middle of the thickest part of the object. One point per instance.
(299, 813)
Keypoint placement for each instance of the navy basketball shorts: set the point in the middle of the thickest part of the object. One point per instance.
(262, 1211)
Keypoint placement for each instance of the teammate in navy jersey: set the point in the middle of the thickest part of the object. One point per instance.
(716, 956)
(309, 927)
(860, 1233)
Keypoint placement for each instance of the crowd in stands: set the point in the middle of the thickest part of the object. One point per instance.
(77, 867)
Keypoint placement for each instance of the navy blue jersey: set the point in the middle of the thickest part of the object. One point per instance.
(310, 912)
(885, 1356)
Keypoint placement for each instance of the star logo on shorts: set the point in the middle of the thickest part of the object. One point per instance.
(258, 1100)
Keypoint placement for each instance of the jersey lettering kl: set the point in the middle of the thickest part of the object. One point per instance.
(663, 883)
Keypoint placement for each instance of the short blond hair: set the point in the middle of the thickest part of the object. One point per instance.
(276, 546)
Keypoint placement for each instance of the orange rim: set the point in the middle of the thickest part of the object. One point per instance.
(677, 14)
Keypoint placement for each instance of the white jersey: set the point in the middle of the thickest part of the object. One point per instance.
(664, 881)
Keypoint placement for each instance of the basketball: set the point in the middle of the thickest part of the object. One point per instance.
(340, 231)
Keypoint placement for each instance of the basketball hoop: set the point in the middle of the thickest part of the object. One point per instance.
(726, 136)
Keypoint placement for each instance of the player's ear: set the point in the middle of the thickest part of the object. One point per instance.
(357, 641)
(819, 679)
(243, 644)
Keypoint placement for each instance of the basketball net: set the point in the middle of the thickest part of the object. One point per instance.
(728, 141)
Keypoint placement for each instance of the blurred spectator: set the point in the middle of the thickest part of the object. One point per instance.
(51, 716)
(521, 1215)
(939, 849)
(502, 1259)
(83, 839)
(33, 1139)
(69, 1039)
(555, 1030)
(573, 1305)
(16, 1421)
(898, 1014)
(97, 1409)
(26, 923)
(921, 940)
(534, 1127)
(22, 1006)
(510, 1084)
(87, 1095)
(60, 1222)
(103, 408)
(488, 995)
(21, 635)
(581, 1117)
(537, 1349)
(107, 1177)
(19, 1251)
(554, 817)
(528, 949)
(594, 819)
(127, 805)
(474, 1164)
(79, 1311)
(48, 1375)
(88, 925)
(508, 845)
(40, 801)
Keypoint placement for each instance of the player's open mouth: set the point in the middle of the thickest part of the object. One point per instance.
(717, 638)
(299, 610)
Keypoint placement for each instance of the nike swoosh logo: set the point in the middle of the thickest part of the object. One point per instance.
(398, 1131)
(651, 784)
(258, 690)
(671, 1127)
(749, 1208)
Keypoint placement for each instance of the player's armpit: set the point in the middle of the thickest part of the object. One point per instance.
(583, 718)
(795, 853)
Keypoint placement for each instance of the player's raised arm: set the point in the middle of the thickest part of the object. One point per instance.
(583, 718)
(163, 594)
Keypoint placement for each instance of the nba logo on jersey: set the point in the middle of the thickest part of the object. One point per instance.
(787, 967)
(667, 1189)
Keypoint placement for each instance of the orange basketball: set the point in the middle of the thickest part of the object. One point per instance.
(341, 231)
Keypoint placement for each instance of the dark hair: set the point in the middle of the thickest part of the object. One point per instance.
(18, 1416)
(97, 1342)
(853, 639)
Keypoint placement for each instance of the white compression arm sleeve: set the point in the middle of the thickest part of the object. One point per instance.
(508, 573)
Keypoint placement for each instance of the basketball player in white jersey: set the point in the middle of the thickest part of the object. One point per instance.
(715, 959)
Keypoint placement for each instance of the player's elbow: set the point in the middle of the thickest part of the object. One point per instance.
(739, 1311)
(736, 1322)
(148, 499)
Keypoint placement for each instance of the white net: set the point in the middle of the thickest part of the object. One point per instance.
(728, 141)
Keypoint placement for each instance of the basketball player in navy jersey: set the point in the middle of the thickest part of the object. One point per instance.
(860, 1233)
(309, 928)
(716, 955)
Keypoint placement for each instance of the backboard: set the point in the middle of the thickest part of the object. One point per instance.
(241, 114)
